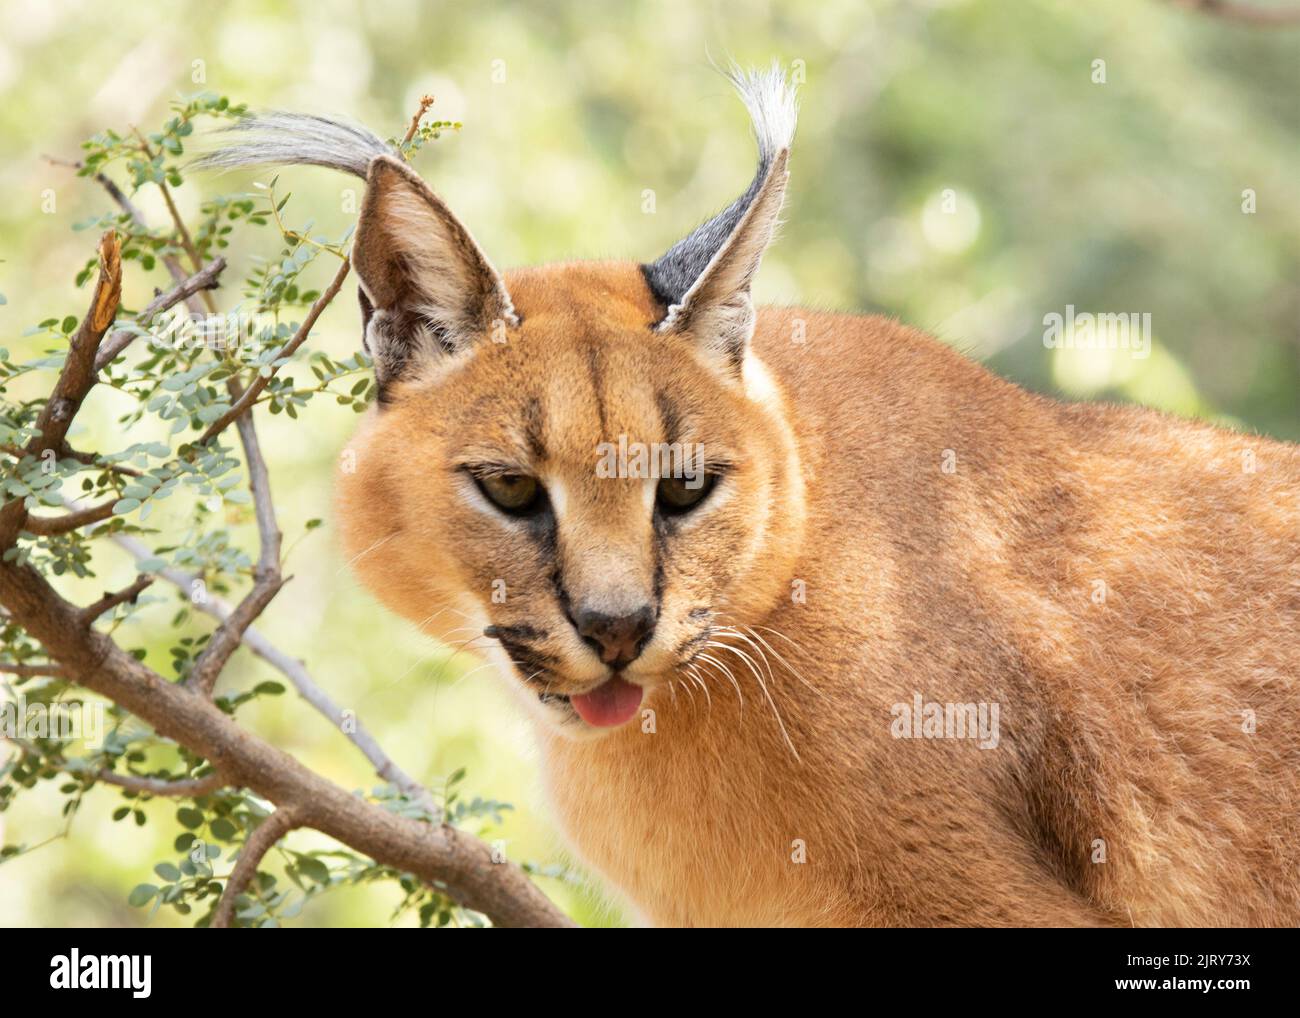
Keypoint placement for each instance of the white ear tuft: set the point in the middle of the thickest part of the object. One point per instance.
(772, 104)
(705, 279)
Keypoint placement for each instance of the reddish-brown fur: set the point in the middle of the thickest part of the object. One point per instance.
(1122, 583)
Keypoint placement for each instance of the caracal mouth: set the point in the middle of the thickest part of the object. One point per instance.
(612, 703)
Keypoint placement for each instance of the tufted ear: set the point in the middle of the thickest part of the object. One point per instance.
(705, 279)
(427, 288)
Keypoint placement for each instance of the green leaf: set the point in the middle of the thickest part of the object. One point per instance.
(313, 869)
(141, 895)
(224, 829)
(189, 817)
(168, 872)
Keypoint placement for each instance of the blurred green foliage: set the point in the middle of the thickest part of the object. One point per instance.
(959, 165)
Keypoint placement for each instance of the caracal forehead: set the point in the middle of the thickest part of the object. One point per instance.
(583, 368)
(586, 295)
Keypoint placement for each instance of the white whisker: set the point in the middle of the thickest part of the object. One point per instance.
(767, 694)
(362, 554)
(725, 672)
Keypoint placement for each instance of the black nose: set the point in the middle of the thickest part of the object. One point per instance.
(618, 639)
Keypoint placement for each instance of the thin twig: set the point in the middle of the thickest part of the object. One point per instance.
(67, 452)
(138, 783)
(228, 636)
(92, 460)
(267, 579)
(178, 222)
(47, 526)
(425, 102)
(182, 787)
(299, 337)
(108, 184)
(259, 481)
(112, 599)
(119, 197)
(259, 842)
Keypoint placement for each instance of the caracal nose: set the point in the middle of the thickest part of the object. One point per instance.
(618, 639)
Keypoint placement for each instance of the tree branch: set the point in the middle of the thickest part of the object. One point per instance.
(458, 865)
(106, 182)
(259, 482)
(301, 679)
(47, 526)
(32, 671)
(180, 787)
(259, 842)
(78, 374)
(90, 459)
(267, 580)
(178, 222)
(111, 600)
(439, 854)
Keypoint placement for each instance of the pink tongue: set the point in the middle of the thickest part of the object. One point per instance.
(609, 704)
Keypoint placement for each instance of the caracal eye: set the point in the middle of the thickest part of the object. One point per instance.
(512, 493)
(676, 495)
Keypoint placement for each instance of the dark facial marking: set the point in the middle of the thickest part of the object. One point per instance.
(533, 429)
(670, 416)
(562, 596)
(693, 641)
(515, 632)
(660, 553)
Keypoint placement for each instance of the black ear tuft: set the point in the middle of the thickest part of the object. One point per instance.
(367, 312)
(673, 274)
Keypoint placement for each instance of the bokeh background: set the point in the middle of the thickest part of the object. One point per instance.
(1119, 196)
